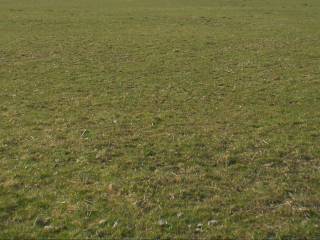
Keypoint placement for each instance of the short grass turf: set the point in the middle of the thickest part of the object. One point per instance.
(160, 119)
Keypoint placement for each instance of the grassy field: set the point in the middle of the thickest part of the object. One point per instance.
(160, 119)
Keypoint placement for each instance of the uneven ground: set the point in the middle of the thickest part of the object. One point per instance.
(160, 119)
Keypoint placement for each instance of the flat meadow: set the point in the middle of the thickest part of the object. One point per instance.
(161, 119)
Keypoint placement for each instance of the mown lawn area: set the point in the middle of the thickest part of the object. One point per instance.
(160, 119)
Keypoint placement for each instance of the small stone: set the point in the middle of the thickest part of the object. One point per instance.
(102, 221)
(212, 222)
(162, 222)
(199, 227)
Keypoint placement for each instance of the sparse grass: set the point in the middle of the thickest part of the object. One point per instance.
(148, 118)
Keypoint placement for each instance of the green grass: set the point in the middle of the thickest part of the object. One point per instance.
(148, 118)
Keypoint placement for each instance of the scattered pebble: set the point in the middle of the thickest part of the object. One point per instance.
(199, 227)
(102, 221)
(162, 222)
(212, 222)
